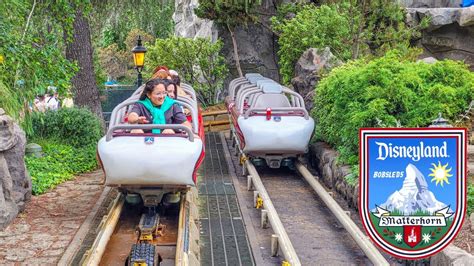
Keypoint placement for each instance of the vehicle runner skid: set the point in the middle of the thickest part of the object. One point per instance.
(131, 234)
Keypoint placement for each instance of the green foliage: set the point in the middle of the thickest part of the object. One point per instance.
(111, 21)
(68, 138)
(384, 92)
(285, 12)
(197, 61)
(77, 127)
(60, 163)
(352, 29)
(228, 13)
(32, 54)
(312, 27)
(470, 199)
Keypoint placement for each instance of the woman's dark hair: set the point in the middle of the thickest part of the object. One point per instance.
(150, 85)
(176, 80)
(170, 82)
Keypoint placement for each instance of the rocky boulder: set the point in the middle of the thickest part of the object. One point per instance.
(450, 33)
(430, 3)
(15, 184)
(188, 25)
(257, 45)
(309, 70)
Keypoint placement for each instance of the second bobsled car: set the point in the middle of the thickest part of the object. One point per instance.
(269, 120)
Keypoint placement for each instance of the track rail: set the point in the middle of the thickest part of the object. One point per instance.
(269, 212)
(362, 240)
(106, 229)
(178, 246)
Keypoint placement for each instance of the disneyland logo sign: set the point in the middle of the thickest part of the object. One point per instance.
(414, 152)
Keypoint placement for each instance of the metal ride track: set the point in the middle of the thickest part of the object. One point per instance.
(309, 228)
(175, 238)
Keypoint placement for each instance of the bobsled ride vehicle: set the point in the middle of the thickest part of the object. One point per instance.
(152, 165)
(269, 122)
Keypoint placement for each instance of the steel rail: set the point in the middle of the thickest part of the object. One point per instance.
(360, 238)
(94, 255)
(284, 242)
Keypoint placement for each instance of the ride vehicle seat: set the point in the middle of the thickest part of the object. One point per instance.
(272, 96)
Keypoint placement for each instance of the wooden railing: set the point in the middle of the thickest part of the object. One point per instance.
(210, 123)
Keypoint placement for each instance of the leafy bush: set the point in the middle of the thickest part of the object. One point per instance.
(197, 61)
(31, 58)
(75, 126)
(470, 199)
(351, 29)
(312, 27)
(384, 92)
(59, 164)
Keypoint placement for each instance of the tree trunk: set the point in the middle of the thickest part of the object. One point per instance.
(79, 50)
(236, 52)
(356, 44)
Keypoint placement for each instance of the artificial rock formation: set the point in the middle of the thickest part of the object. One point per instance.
(450, 33)
(430, 3)
(188, 25)
(15, 184)
(256, 42)
(309, 69)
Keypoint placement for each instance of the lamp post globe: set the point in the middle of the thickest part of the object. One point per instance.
(139, 59)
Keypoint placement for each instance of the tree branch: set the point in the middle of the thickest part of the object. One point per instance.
(28, 21)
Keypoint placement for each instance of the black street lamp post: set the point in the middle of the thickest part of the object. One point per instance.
(139, 59)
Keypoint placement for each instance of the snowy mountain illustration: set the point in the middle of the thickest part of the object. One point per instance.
(414, 195)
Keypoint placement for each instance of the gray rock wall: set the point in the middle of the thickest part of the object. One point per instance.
(333, 175)
(450, 34)
(188, 25)
(257, 46)
(430, 3)
(15, 186)
(309, 70)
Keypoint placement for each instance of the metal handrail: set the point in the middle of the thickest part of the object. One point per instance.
(233, 85)
(111, 130)
(189, 90)
(277, 109)
(115, 119)
(239, 99)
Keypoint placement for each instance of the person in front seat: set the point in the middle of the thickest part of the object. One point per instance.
(156, 107)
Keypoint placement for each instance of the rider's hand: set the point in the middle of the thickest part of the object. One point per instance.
(167, 131)
(142, 120)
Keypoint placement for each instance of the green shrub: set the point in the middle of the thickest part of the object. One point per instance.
(60, 163)
(312, 27)
(385, 92)
(352, 29)
(197, 61)
(75, 126)
(470, 199)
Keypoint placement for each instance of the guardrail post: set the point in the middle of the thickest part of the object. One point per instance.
(274, 245)
(255, 197)
(264, 220)
(249, 183)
